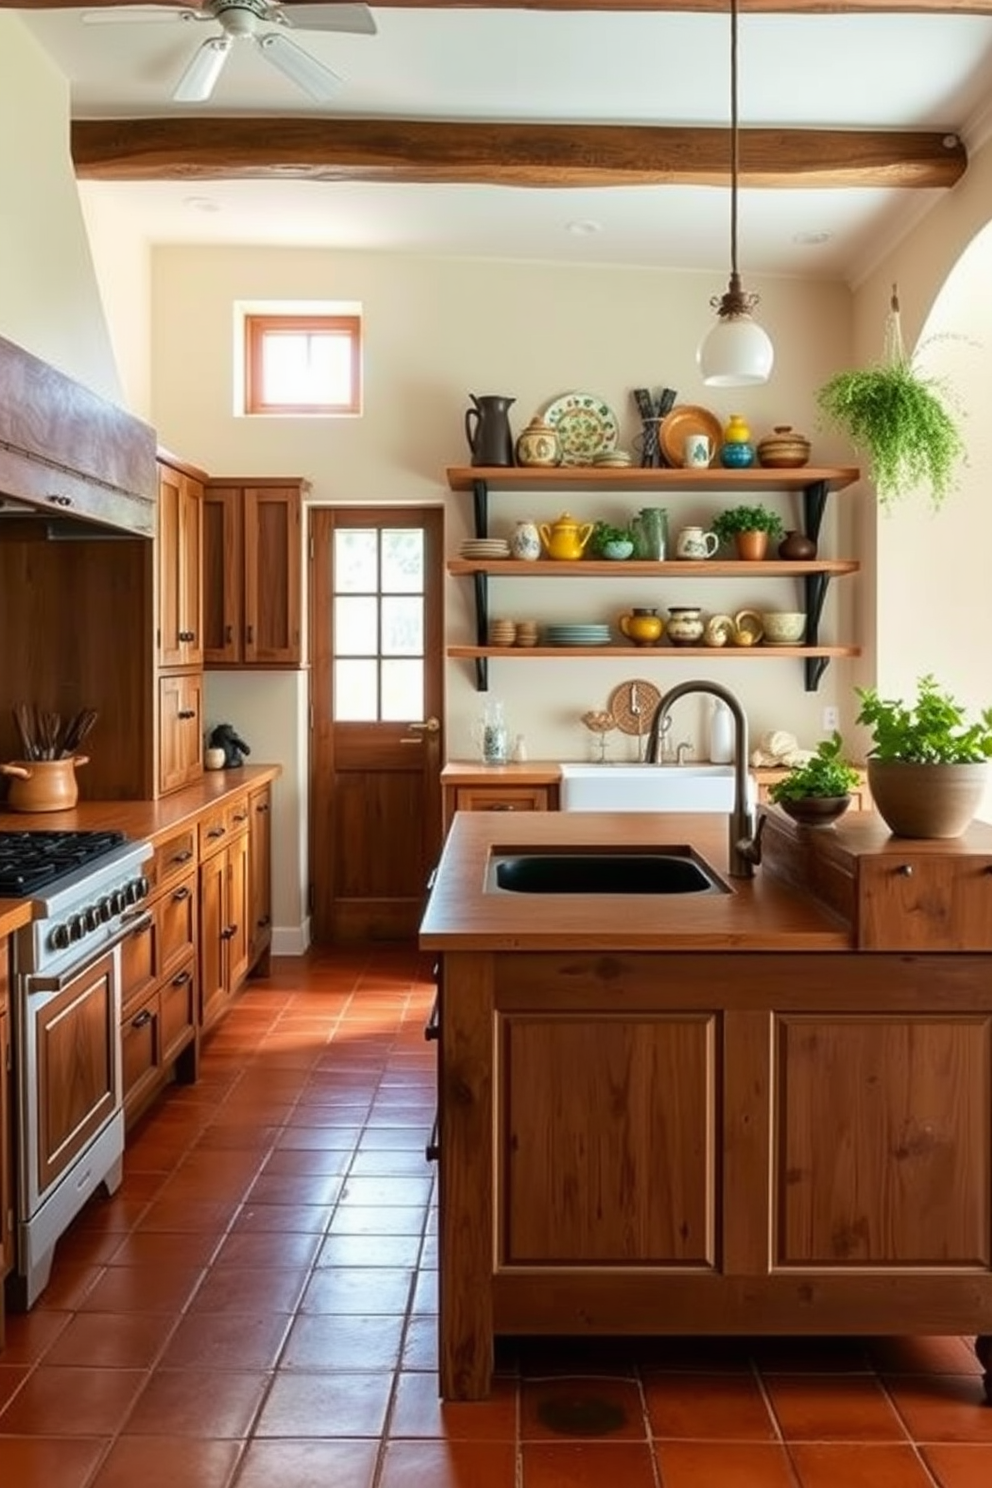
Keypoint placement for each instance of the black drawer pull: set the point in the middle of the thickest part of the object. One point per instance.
(180, 895)
(262, 806)
(181, 978)
(432, 1151)
(241, 817)
(216, 831)
(263, 921)
(140, 1020)
(182, 857)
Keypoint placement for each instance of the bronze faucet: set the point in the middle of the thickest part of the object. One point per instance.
(744, 847)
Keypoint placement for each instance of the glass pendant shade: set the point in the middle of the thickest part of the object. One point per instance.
(736, 352)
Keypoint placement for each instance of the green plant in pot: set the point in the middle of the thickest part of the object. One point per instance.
(899, 419)
(929, 763)
(749, 529)
(608, 541)
(818, 791)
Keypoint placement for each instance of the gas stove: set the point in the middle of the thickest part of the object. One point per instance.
(83, 886)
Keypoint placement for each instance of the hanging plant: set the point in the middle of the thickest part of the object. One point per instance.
(899, 419)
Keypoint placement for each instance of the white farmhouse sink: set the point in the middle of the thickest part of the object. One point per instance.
(649, 788)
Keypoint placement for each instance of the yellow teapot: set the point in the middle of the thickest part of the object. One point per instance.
(567, 538)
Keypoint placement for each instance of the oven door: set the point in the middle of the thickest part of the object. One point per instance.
(69, 1069)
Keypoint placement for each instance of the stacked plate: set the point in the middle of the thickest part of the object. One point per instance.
(578, 635)
(485, 547)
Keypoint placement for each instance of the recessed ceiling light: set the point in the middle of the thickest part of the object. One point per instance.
(584, 228)
(811, 239)
(201, 204)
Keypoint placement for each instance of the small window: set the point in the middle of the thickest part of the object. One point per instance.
(303, 364)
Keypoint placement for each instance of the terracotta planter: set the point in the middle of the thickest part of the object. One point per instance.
(751, 545)
(43, 785)
(926, 800)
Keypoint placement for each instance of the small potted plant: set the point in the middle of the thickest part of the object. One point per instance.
(611, 542)
(818, 791)
(749, 529)
(929, 764)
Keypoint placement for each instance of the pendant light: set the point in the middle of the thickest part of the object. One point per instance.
(736, 351)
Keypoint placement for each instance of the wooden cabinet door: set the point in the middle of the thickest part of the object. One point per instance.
(237, 929)
(272, 575)
(6, 1153)
(180, 527)
(223, 590)
(191, 571)
(180, 759)
(213, 921)
(259, 874)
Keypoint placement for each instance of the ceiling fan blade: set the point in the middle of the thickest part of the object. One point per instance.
(114, 15)
(357, 19)
(303, 69)
(197, 82)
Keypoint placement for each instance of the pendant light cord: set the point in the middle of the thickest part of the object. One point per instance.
(734, 139)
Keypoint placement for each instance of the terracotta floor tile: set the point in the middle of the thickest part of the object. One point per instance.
(704, 1407)
(191, 1402)
(112, 1340)
(333, 1341)
(438, 1464)
(247, 1137)
(591, 1406)
(12, 1377)
(357, 1290)
(724, 1465)
(212, 1341)
(169, 1462)
(839, 1407)
(370, 1250)
(285, 1188)
(29, 1335)
(924, 1356)
(864, 1465)
(942, 1408)
(165, 1248)
(409, 1192)
(418, 1412)
(391, 1139)
(184, 1216)
(69, 1284)
(306, 1464)
(351, 1219)
(388, 1163)
(39, 1462)
(587, 1465)
(959, 1465)
(307, 1135)
(71, 1402)
(164, 1288)
(420, 1344)
(301, 1404)
(265, 1248)
(250, 1289)
(302, 1219)
(88, 1247)
(321, 1162)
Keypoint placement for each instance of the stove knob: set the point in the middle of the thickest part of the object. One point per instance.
(91, 917)
(75, 926)
(118, 902)
(60, 937)
(144, 887)
(105, 909)
(132, 891)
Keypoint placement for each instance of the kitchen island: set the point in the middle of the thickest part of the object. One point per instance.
(762, 1108)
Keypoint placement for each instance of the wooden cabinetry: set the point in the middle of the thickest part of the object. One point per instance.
(6, 1149)
(180, 759)
(224, 906)
(814, 485)
(180, 541)
(253, 572)
(159, 978)
(259, 878)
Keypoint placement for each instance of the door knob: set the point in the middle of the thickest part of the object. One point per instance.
(429, 726)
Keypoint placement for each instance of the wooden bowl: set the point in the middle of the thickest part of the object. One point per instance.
(816, 811)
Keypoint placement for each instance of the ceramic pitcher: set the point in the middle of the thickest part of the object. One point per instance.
(487, 429)
(650, 528)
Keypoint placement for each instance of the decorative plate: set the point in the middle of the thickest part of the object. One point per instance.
(684, 420)
(585, 425)
(633, 706)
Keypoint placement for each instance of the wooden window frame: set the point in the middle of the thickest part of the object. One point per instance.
(257, 327)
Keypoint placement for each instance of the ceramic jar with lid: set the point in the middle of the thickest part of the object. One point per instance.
(783, 449)
(737, 451)
(538, 445)
(685, 625)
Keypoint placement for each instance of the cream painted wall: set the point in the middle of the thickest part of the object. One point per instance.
(435, 330)
(934, 606)
(49, 298)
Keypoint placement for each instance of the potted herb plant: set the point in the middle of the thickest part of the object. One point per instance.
(749, 529)
(928, 765)
(899, 418)
(818, 791)
(611, 542)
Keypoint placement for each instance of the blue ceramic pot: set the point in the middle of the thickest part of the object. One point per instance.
(737, 455)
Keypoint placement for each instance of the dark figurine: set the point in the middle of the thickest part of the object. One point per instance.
(224, 737)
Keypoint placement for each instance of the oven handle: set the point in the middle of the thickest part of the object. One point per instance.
(58, 984)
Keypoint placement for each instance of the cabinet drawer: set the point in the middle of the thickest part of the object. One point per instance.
(175, 914)
(213, 830)
(502, 798)
(141, 1046)
(138, 962)
(925, 902)
(173, 856)
(177, 1000)
(238, 815)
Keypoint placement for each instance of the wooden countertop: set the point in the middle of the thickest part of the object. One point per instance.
(13, 914)
(547, 772)
(759, 914)
(141, 819)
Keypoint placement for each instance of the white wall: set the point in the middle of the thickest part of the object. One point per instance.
(49, 298)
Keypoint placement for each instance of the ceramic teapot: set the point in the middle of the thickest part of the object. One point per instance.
(643, 627)
(567, 538)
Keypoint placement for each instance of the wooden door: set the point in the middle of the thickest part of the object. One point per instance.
(377, 679)
(272, 572)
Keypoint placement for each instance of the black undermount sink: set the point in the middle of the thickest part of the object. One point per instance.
(603, 873)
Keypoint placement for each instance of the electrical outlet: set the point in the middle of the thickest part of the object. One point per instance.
(830, 720)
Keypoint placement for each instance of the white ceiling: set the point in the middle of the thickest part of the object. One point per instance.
(840, 71)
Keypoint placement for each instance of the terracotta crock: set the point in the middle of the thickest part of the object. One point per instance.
(43, 785)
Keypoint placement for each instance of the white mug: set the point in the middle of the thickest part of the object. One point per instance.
(693, 542)
(696, 451)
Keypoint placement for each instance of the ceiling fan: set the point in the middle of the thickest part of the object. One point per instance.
(262, 22)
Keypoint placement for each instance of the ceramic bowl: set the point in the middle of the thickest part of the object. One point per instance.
(816, 811)
(783, 627)
(618, 549)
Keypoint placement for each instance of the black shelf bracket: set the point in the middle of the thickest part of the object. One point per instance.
(480, 500)
(481, 630)
(814, 503)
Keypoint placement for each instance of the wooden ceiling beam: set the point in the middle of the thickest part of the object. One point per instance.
(545, 155)
(753, 7)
